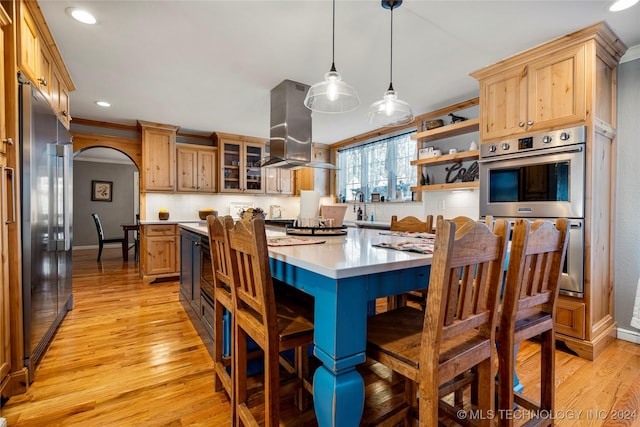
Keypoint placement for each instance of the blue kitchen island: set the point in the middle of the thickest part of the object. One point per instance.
(344, 274)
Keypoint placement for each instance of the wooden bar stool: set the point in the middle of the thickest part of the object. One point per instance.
(528, 310)
(222, 282)
(276, 325)
(439, 348)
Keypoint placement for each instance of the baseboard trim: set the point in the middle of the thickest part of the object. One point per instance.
(627, 335)
(107, 245)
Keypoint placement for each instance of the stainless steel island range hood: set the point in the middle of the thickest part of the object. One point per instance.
(290, 136)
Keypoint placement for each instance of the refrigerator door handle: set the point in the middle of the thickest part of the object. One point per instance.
(64, 151)
(8, 176)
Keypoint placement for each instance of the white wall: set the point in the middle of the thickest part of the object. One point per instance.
(627, 231)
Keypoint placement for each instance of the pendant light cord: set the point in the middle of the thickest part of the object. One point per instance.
(333, 38)
(391, 52)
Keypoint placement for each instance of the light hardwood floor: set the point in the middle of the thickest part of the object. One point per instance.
(127, 355)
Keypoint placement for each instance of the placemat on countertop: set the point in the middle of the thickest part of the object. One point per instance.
(420, 247)
(292, 241)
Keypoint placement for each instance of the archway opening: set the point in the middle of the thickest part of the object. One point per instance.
(106, 182)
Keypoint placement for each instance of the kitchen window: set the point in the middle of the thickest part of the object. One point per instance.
(382, 167)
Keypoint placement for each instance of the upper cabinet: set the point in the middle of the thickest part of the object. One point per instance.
(196, 168)
(29, 52)
(543, 94)
(239, 163)
(316, 179)
(278, 181)
(158, 157)
(40, 62)
(60, 96)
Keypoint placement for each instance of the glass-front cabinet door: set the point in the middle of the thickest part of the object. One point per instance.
(239, 167)
(252, 172)
(230, 167)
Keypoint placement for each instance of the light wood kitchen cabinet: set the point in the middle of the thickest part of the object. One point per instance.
(278, 181)
(315, 178)
(197, 168)
(60, 96)
(545, 93)
(159, 251)
(158, 157)
(29, 44)
(570, 81)
(44, 71)
(40, 62)
(7, 214)
(239, 164)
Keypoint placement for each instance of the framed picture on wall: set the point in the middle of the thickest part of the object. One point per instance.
(101, 191)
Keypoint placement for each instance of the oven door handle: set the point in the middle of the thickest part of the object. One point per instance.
(537, 153)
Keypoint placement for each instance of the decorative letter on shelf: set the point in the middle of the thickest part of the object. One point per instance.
(462, 174)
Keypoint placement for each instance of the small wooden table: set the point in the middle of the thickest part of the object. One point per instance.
(127, 228)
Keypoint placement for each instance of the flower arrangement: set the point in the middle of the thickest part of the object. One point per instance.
(252, 213)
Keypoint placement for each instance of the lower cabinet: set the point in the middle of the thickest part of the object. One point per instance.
(570, 316)
(190, 264)
(159, 251)
(197, 291)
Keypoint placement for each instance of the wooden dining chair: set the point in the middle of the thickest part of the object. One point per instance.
(222, 283)
(102, 240)
(275, 324)
(436, 348)
(528, 309)
(409, 224)
(412, 224)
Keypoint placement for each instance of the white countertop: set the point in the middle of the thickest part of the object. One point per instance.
(341, 256)
(383, 225)
(169, 221)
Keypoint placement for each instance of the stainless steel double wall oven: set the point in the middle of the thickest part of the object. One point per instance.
(540, 175)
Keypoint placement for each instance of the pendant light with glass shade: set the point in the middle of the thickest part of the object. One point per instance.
(332, 95)
(390, 110)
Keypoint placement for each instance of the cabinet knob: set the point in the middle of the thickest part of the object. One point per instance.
(529, 122)
(8, 141)
(64, 113)
(42, 81)
(196, 243)
(546, 139)
(521, 124)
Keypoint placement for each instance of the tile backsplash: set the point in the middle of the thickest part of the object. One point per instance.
(185, 207)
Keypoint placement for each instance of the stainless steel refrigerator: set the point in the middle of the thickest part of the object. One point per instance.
(46, 198)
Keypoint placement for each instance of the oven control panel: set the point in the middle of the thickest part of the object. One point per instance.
(538, 141)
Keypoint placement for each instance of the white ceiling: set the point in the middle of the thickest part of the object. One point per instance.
(210, 65)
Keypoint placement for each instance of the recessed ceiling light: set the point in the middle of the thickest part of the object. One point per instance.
(81, 15)
(103, 103)
(619, 5)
